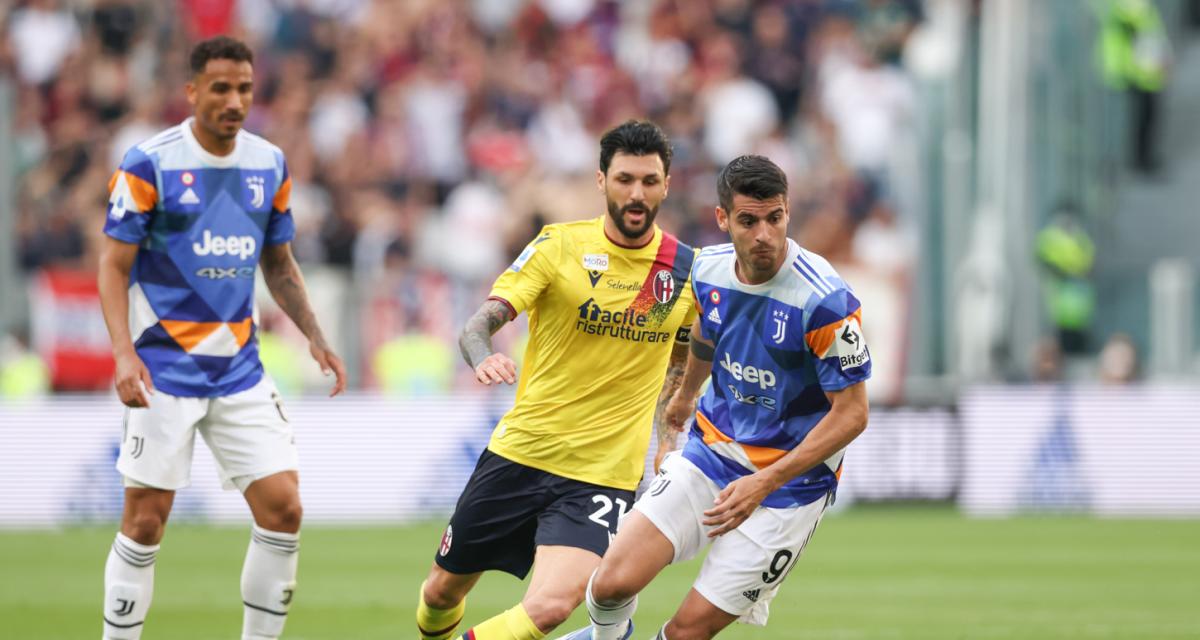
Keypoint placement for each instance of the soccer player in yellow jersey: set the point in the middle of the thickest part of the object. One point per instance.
(610, 307)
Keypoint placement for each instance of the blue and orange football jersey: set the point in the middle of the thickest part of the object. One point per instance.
(200, 222)
(603, 320)
(780, 346)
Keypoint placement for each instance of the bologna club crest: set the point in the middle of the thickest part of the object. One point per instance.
(664, 286)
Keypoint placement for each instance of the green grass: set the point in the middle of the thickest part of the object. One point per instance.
(869, 573)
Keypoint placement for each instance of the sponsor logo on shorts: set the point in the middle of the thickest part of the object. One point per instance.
(751, 595)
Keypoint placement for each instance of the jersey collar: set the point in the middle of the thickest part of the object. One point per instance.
(222, 162)
(792, 253)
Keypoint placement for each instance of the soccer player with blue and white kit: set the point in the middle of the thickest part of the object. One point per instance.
(193, 213)
(781, 336)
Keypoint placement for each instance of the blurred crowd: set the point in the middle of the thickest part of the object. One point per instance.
(429, 139)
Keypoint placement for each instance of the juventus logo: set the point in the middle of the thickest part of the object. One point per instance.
(138, 445)
(124, 607)
(780, 318)
(258, 189)
(287, 597)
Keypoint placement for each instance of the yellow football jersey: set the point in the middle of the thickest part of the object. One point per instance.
(602, 322)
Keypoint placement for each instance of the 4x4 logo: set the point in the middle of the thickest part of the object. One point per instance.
(221, 273)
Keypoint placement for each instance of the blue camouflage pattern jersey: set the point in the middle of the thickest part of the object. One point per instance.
(200, 222)
(780, 346)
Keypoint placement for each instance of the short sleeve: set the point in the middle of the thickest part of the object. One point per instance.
(132, 198)
(833, 332)
(281, 227)
(525, 279)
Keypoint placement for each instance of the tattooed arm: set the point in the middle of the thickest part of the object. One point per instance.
(286, 285)
(666, 433)
(680, 406)
(475, 342)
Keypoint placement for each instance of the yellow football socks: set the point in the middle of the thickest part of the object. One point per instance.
(437, 624)
(513, 624)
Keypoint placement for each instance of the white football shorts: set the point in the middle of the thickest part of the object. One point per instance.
(745, 567)
(247, 432)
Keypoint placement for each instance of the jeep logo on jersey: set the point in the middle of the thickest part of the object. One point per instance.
(241, 246)
(664, 286)
(765, 378)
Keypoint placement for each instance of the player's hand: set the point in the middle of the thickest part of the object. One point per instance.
(330, 363)
(680, 408)
(735, 503)
(495, 369)
(132, 380)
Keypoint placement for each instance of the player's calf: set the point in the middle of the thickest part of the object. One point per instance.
(611, 604)
(268, 582)
(547, 611)
(128, 588)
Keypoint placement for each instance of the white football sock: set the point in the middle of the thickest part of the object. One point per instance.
(609, 622)
(128, 588)
(268, 581)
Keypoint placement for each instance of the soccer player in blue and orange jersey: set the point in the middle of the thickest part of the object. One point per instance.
(193, 213)
(780, 336)
(609, 308)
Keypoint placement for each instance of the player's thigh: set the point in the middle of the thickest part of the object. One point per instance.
(637, 554)
(581, 515)
(250, 435)
(674, 504)
(745, 567)
(157, 442)
(495, 520)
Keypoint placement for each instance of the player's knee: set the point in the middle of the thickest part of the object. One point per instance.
(285, 517)
(144, 527)
(547, 612)
(438, 594)
(610, 587)
(689, 630)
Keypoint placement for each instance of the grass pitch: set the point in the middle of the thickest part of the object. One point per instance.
(869, 573)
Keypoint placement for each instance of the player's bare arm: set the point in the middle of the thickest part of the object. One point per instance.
(699, 365)
(475, 342)
(847, 418)
(116, 261)
(286, 284)
(665, 432)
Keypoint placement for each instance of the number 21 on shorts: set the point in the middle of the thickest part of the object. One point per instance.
(606, 506)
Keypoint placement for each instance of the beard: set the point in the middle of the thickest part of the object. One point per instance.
(617, 213)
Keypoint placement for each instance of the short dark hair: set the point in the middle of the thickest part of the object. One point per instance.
(219, 48)
(753, 176)
(635, 137)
